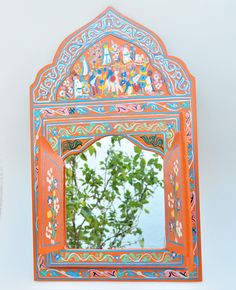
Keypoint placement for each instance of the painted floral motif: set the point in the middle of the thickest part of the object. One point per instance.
(176, 167)
(174, 204)
(112, 67)
(179, 228)
(53, 207)
(171, 200)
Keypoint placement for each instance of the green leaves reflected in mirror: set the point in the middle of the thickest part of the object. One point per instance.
(111, 189)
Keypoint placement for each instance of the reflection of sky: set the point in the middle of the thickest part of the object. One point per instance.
(152, 224)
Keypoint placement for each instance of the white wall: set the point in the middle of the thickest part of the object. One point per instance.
(202, 33)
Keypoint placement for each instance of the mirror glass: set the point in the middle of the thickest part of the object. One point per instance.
(115, 196)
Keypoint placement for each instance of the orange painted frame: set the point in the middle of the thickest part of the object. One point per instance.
(44, 111)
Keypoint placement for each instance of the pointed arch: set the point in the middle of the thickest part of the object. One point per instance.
(110, 22)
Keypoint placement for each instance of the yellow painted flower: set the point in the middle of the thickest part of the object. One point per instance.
(176, 186)
(54, 192)
(49, 214)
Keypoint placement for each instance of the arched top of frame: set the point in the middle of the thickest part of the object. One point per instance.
(150, 142)
(111, 57)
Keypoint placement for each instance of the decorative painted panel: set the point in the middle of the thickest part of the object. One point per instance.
(177, 198)
(173, 180)
(110, 68)
(110, 23)
(50, 200)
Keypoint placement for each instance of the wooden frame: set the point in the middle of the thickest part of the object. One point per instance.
(66, 117)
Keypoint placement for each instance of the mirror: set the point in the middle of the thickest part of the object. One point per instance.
(115, 196)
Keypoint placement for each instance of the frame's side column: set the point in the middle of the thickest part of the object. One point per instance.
(177, 203)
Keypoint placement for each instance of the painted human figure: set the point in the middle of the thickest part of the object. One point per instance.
(85, 86)
(139, 58)
(78, 87)
(126, 54)
(85, 66)
(129, 88)
(149, 83)
(115, 83)
(93, 83)
(126, 83)
(106, 57)
(158, 82)
(135, 79)
(148, 87)
(123, 79)
(115, 52)
(108, 85)
(132, 52)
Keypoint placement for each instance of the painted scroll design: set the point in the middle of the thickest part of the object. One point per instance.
(154, 141)
(109, 274)
(69, 145)
(76, 257)
(55, 132)
(45, 87)
(134, 107)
